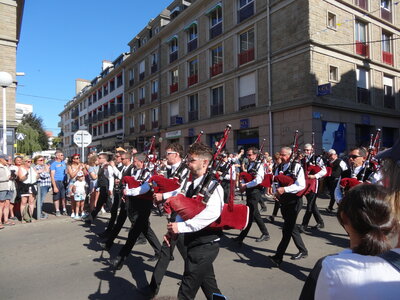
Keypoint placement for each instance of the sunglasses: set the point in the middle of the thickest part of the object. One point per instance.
(193, 159)
(76, 157)
(354, 156)
(28, 161)
(168, 153)
(40, 160)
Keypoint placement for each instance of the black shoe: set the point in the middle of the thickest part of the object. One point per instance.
(299, 255)
(319, 226)
(141, 242)
(171, 258)
(264, 237)
(302, 229)
(275, 261)
(154, 258)
(117, 262)
(330, 210)
(105, 246)
(271, 219)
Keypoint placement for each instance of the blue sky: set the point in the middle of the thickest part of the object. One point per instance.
(64, 40)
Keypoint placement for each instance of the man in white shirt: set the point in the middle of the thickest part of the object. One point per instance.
(202, 243)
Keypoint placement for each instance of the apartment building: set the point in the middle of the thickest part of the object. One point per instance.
(11, 12)
(97, 107)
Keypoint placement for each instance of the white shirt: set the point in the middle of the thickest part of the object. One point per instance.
(140, 190)
(299, 184)
(209, 214)
(258, 178)
(320, 163)
(338, 191)
(166, 195)
(348, 275)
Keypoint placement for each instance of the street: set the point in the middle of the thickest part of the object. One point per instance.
(59, 258)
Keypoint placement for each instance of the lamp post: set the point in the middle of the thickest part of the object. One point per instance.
(5, 81)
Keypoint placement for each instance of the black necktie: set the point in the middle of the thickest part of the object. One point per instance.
(169, 172)
(190, 191)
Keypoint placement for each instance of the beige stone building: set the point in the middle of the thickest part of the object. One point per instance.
(11, 12)
(268, 68)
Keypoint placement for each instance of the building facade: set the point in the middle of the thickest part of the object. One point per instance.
(11, 12)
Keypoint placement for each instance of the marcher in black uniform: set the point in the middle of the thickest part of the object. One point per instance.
(338, 166)
(253, 197)
(290, 207)
(174, 153)
(226, 181)
(138, 213)
(310, 159)
(202, 243)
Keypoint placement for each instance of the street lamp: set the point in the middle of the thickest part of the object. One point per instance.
(5, 81)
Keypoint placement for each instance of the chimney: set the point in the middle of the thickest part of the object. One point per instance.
(106, 64)
(80, 84)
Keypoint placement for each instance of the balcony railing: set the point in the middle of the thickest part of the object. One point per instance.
(246, 56)
(193, 115)
(95, 118)
(154, 96)
(247, 101)
(106, 113)
(119, 108)
(386, 14)
(141, 76)
(142, 127)
(173, 88)
(216, 30)
(142, 101)
(154, 124)
(246, 12)
(173, 56)
(216, 69)
(154, 68)
(362, 48)
(176, 120)
(90, 119)
(192, 79)
(100, 116)
(389, 101)
(112, 109)
(216, 110)
(387, 58)
(362, 4)
(363, 96)
(192, 45)
(131, 106)
(131, 82)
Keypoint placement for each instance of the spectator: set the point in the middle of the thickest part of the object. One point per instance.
(79, 188)
(359, 272)
(5, 191)
(93, 171)
(74, 167)
(44, 181)
(14, 184)
(27, 177)
(58, 177)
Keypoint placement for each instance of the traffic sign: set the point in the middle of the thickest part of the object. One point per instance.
(20, 136)
(82, 138)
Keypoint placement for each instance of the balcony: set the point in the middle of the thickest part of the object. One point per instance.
(112, 110)
(131, 82)
(173, 88)
(141, 76)
(363, 96)
(173, 56)
(106, 113)
(387, 58)
(216, 30)
(362, 48)
(132, 130)
(362, 4)
(192, 45)
(386, 14)
(95, 118)
(142, 101)
(246, 12)
(100, 116)
(154, 68)
(90, 119)
(216, 110)
(142, 127)
(119, 108)
(192, 79)
(131, 106)
(389, 102)
(154, 96)
(176, 120)
(193, 115)
(246, 56)
(154, 124)
(216, 69)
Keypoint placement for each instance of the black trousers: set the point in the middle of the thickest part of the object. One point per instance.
(226, 186)
(253, 196)
(276, 208)
(139, 213)
(332, 183)
(103, 197)
(121, 218)
(114, 211)
(290, 208)
(312, 209)
(199, 272)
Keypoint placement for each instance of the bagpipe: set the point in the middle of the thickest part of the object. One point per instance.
(161, 184)
(233, 216)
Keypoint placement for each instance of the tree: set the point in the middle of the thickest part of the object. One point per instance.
(56, 142)
(36, 123)
(30, 143)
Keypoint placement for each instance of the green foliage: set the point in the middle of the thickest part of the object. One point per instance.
(31, 142)
(56, 142)
(36, 123)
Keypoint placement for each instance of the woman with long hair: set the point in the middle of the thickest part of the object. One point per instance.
(359, 272)
(14, 184)
(27, 176)
(5, 191)
(43, 170)
(74, 166)
(93, 170)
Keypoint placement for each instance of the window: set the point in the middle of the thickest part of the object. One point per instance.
(246, 47)
(94, 96)
(193, 72)
(173, 75)
(119, 123)
(105, 127)
(174, 113)
(131, 124)
(112, 125)
(216, 103)
(90, 100)
(119, 80)
(99, 94)
(154, 117)
(173, 49)
(363, 95)
(215, 16)
(112, 85)
(141, 70)
(331, 20)
(333, 74)
(246, 10)
(142, 95)
(99, 130)
(193, 107)
(131, 100)
(154, 90)
(216, 61)
(142, 121)
(247, 91)
(131, 77)
(389, 99)
(386, 10)
(361, 38)
(192, 36)
(387, 54)
(362, 4)
(105, 89)
(154, 62)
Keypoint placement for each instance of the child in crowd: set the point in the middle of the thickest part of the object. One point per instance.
(79, 191)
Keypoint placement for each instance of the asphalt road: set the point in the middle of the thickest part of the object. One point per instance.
(59, 258)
